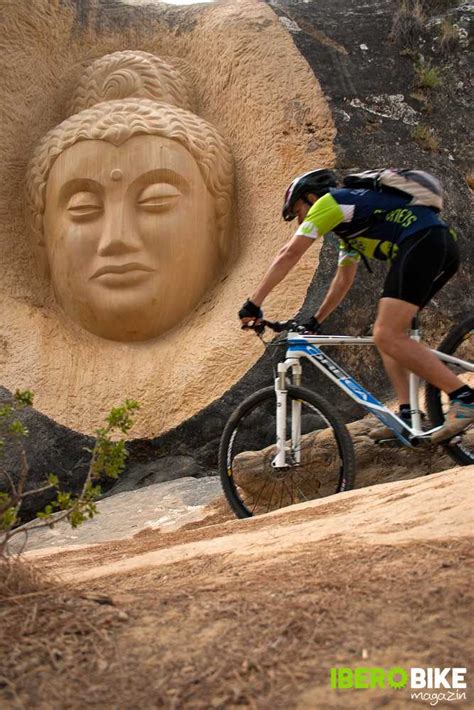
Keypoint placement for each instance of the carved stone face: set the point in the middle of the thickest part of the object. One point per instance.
(130, 235)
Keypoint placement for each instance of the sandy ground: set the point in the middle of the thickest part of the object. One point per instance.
(253, 613)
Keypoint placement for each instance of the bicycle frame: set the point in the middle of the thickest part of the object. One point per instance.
(306, 346)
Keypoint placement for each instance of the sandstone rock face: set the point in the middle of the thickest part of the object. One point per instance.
(243, 68)
(82, 339)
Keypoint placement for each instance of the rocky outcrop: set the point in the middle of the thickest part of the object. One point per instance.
(371, 79)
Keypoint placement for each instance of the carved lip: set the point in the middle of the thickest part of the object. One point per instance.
(120, 269)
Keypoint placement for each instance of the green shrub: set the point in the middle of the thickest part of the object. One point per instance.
(427, 76)
(108, 458)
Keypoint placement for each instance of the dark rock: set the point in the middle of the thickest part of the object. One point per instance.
(50, 448)
(166, 468)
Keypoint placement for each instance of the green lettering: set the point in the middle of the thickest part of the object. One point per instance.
(378, 678)
(400, 681)
(345, 678)
(361, 678)
(333, 678)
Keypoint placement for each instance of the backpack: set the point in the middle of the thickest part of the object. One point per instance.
(423, 188)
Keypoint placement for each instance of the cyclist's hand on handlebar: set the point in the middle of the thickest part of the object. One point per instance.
(312, 325)
(250, 315)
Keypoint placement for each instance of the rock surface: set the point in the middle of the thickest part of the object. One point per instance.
(351, 54)
(374, 578)
(431, 508)
(163, 506)
(225, 49)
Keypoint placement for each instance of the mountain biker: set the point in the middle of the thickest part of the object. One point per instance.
(423, 256)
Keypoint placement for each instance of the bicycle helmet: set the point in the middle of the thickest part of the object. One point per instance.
(316, 181)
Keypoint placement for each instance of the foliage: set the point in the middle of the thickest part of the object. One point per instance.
(108, 458)
(428, 76)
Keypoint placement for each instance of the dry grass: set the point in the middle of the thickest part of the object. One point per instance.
(434, 7)
(48, 631)
(449, 37)
(218, 633)
(426, 137)
(409, 24)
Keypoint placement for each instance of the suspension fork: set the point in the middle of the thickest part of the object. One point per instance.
(414, 386)
(282, 405)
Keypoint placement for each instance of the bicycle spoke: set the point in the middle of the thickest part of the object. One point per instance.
(271, 497)
(258, 498)
(291, 494)
(299, 489)
(254, 484)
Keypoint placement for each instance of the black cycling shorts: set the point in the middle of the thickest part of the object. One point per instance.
(424, 264)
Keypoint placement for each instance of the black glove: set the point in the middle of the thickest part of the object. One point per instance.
(250, 310)
(312, 326)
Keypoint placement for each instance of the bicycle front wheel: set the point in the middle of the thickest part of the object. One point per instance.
(460, 343)
(252, 485)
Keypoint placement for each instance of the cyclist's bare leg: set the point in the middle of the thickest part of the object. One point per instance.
(398, 377)
(391, 338)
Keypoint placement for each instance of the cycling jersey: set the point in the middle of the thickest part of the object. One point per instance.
(369, 223)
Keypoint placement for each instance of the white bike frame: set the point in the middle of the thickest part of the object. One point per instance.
(306, 346)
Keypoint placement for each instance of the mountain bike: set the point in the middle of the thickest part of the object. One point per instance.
(286, 444)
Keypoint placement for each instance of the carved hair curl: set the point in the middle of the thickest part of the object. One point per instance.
(130, 74)
(116, 122)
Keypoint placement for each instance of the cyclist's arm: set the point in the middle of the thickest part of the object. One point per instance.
(324, 215)
(340, 285)
(287, 257)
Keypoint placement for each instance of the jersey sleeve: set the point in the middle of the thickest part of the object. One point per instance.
(347, 256)
(323, 216)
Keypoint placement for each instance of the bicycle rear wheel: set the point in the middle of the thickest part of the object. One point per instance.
(252, 486)
(460, 343)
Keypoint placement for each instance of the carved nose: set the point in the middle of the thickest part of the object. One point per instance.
(118, 236)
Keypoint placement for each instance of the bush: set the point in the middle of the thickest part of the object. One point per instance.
(107, 458)
(428, 76)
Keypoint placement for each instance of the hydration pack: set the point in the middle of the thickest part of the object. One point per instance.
(422, 187)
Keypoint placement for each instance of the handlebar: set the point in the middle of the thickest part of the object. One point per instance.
(275, 325)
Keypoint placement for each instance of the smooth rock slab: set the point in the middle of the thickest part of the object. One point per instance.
(163, 505)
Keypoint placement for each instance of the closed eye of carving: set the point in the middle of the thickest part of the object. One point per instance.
(158, 197)
(84, 205)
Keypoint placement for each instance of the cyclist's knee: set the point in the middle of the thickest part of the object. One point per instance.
(384, 337)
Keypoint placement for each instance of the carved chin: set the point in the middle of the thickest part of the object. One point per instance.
(129, 315)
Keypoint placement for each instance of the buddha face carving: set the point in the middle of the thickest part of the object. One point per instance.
(131, 200)
(130, 235)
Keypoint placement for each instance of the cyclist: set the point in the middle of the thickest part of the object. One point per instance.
(423, 256)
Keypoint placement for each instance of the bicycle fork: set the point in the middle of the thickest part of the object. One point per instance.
(280, 460)
(414, 388)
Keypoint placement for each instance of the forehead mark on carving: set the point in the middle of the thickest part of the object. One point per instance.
(116, 174)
